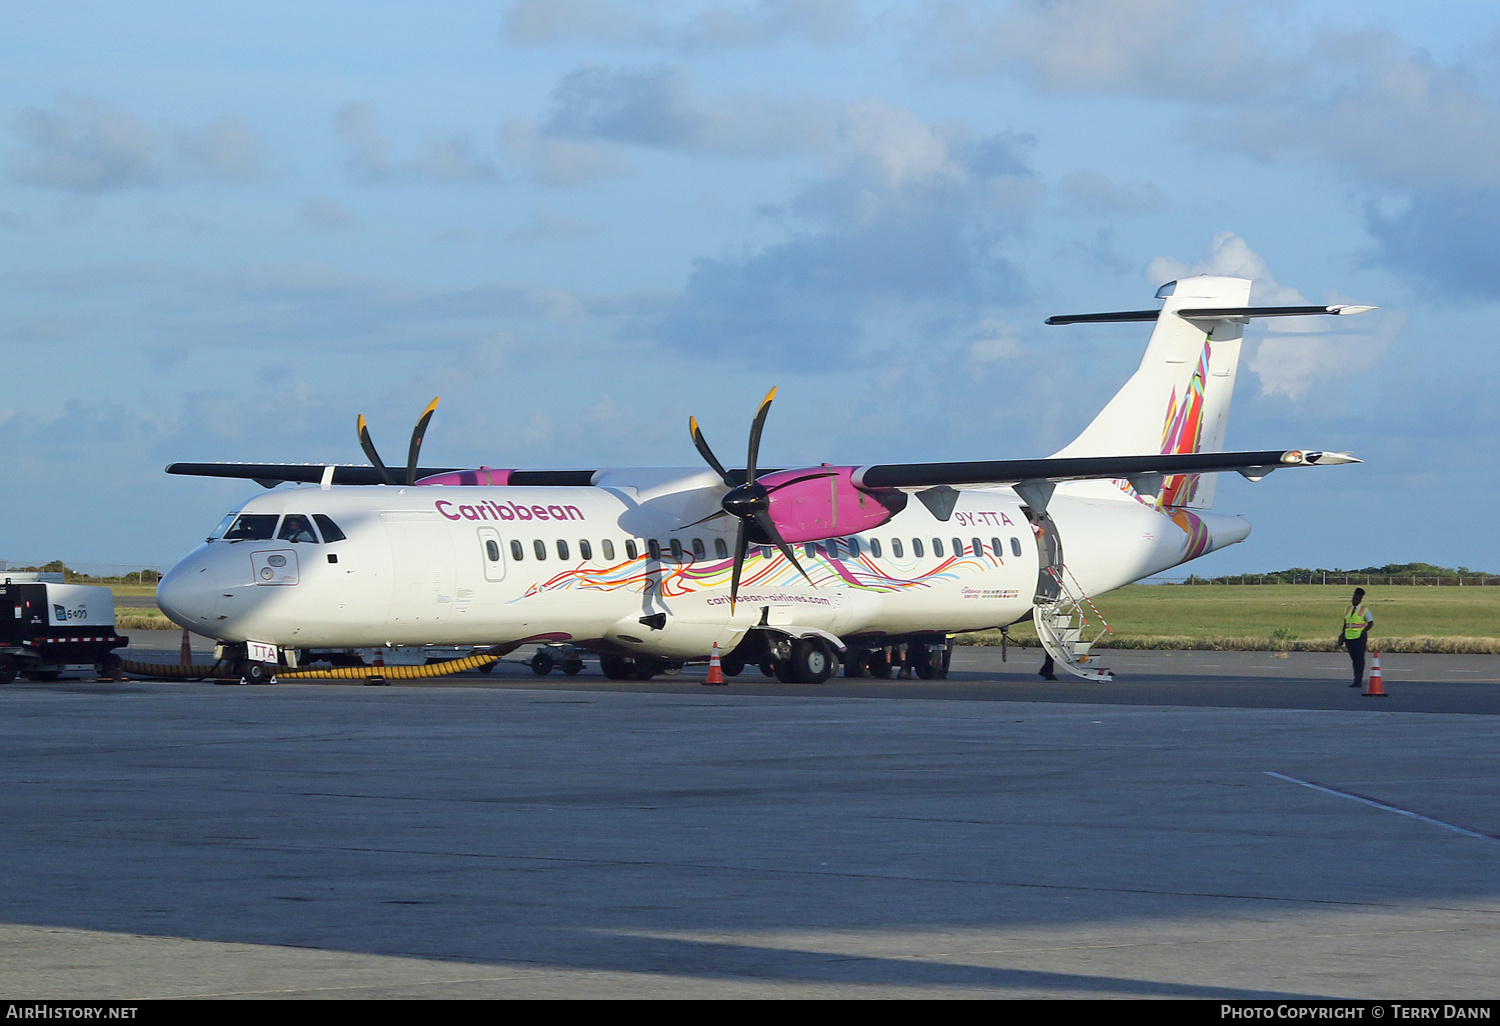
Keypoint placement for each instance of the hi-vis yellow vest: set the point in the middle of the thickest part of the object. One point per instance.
(1354, 622)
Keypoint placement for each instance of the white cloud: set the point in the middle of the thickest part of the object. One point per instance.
(446, 160)
(1094, 192)
(1382, 111)
(1296, 352)
(1230, 255)
(85, 144)
(1182, 49)
(562, 163)
(1293, 364)
(328, 214)
(722, 26)
(659, 107)
(997, 341)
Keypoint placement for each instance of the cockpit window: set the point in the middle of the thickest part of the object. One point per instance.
(331, 532)
(223, 525)
(252, 527)
(297, 528)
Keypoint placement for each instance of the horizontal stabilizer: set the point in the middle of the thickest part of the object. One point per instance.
(1089, 468)
(1212, 313)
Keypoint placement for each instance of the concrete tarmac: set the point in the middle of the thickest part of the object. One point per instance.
(1247, 829)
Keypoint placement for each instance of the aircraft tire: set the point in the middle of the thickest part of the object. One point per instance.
(768, 669)
(645, 669)
(922, 662)
(256, 672)
(572, 669)
(541, 664)
(616, 667)
(854, 664)
(811, 662)
(732, 667)
(879, 664)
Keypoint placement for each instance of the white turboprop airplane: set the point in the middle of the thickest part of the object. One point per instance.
(791, 569)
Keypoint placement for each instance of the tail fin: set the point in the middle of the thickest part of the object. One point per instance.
(1177, 401)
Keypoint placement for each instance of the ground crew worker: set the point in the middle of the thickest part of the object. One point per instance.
(1357, 623)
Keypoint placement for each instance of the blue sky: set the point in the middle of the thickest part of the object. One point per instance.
(226, 231)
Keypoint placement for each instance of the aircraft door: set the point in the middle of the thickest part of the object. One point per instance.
(1050, 556)
(422, 568)
(491, 554)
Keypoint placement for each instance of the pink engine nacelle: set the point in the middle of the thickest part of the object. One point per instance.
(827, 506)
(482, 476)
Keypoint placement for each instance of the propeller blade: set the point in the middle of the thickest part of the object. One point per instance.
(755, 430)
(695, 523)
(416, 441)
(799, 480)
(708, 454)
(369, 448)
(765, 523)
(739, 564)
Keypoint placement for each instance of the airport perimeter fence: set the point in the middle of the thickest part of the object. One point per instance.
(93, 573)
(1365, 580)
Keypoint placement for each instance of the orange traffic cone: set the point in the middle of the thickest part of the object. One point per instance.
(715, 671)
(1377, 686)
(185, 656)
(377, 664)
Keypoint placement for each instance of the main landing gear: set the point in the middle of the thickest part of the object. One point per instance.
(618, 667)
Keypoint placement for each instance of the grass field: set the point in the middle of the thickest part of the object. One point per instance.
(1293, 617)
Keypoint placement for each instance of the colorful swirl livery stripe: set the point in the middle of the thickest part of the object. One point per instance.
(671, 579)
(1182, 432)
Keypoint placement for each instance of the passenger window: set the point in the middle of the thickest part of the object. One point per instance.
(916, 547)
(609, 549)
(331, 532)
(810, 550)
(937, 546)
(720, 549)
(958, 546)
(699, 552)
(252, 527)
(1015, 546)
(997, 548)
(875, 547)
(540, 548)
(631, 552)
(585, 550)
(978, 549)
(677, 549)
(896, 548)
(562, 549)
(516, 552)
(654, 548)
(833, 548)
(854, 548)
(492, 550)
(297, 528)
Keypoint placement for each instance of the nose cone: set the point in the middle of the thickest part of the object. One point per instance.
(190, 591)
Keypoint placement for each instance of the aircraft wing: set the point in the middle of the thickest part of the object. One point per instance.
(272, 474)
(1253, 465)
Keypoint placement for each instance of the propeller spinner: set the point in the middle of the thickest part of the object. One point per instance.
(749, 501)
(413, 450)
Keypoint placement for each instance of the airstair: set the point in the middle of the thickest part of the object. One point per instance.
(1069, 625)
